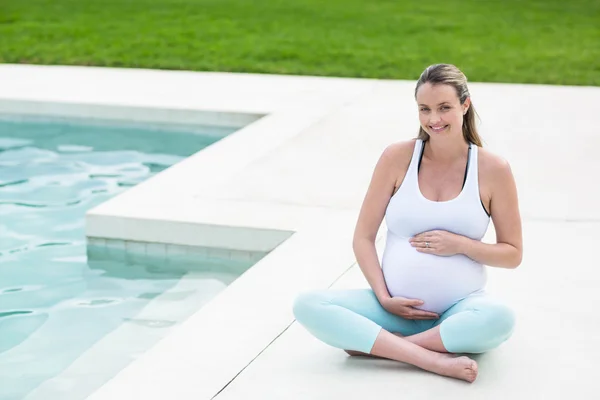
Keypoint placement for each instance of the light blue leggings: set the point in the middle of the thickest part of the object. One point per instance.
(352, 319)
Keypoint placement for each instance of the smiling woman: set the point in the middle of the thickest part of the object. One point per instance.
(451, 110)
(428, 296)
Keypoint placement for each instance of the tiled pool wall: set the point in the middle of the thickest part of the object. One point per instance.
(160, 254)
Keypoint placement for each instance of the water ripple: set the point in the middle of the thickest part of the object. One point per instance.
(151, 323)
(40, 205)
(97, 302)
(29, 247)
(7, 143)
(23, 288)
(11, 313)
(54, 244)
(12, 183)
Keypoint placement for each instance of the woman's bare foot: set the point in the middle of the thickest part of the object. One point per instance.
(456, 367)
(447, 364)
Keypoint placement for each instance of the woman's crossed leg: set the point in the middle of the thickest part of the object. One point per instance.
(355, 321)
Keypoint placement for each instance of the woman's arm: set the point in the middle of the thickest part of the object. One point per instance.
(379, 192)
(507, 252)
(502, 255)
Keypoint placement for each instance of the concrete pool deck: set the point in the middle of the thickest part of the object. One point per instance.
(290, 183)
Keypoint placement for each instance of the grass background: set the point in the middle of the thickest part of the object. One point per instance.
(535, 41)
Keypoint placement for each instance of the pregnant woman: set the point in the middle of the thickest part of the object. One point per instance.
(437, 193)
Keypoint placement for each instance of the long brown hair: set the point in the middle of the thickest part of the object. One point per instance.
(448, 74)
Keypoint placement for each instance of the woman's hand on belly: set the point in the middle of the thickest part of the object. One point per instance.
(403, 307)
(438, 242)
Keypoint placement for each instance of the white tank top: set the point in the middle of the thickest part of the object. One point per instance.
(437, 280)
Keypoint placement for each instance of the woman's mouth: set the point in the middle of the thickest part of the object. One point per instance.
(438, 129)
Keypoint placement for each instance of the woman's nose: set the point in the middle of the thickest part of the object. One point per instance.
(434, 118)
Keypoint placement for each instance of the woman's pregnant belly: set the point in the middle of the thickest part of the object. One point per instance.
(437, 280)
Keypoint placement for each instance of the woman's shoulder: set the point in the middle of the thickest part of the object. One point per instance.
(493, 167)
(400, 152)
(396, 159)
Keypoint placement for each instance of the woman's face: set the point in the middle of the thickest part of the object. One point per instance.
(440, 111)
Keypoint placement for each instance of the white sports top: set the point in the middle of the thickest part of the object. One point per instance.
(439, 281)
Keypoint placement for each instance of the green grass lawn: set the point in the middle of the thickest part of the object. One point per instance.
(533, 41)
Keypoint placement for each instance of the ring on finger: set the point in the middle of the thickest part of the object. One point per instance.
(427, 244)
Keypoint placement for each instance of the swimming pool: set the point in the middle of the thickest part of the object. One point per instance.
(72, 316)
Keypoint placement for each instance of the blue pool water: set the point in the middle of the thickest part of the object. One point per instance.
(56, 303)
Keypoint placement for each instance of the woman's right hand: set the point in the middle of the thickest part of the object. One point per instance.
(404, 308)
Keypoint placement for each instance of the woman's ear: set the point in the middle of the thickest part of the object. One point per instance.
(466, 105)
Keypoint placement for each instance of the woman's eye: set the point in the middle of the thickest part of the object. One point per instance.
(445, 108)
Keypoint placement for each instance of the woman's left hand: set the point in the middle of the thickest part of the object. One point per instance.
(438, 242)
